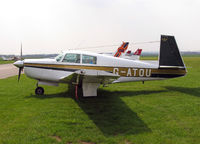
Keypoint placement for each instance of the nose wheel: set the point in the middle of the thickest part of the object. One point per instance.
(39, 91)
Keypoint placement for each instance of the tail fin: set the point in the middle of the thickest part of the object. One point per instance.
(138, 52)
(169, 53)
(121, 49)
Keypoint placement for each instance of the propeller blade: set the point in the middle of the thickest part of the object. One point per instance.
(21, 52)
(19, 74)
(20, 64)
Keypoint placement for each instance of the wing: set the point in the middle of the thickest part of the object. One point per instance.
(91, 76)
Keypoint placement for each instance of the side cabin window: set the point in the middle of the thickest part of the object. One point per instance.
(72, 58)
(87, 59)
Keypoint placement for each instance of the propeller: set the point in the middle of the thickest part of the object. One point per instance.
(19, 74)
(19, 64)
(21, 52)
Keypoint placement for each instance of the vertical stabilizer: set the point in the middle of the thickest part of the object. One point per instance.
(169, 53)
(121, 49)
(138, 52)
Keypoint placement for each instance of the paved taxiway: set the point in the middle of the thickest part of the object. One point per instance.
(8, 70)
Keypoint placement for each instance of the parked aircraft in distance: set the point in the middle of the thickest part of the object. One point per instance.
(90, 70)
(14, 58)
(122, 52)
(132, 56)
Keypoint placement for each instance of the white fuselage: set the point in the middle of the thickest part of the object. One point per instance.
(55, 70)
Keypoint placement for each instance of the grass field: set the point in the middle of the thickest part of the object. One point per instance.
(157, 112)
(5, 62)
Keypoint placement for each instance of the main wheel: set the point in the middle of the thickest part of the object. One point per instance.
(39, 91)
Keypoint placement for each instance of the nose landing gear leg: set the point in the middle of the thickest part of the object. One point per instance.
(39, 90)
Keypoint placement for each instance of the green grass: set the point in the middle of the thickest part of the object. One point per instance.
(157, 112)
(5, 62)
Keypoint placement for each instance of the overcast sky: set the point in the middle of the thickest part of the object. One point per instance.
(50, 26)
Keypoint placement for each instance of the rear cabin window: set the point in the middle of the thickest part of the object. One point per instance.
(87, 59)
(72, 58)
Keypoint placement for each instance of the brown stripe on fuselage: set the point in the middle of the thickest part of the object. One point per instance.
(71, 66)
(122, 71)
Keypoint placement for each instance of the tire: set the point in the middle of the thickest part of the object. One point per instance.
(39, 91)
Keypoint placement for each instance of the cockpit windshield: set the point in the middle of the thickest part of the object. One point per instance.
(72, 58)
(59, 57)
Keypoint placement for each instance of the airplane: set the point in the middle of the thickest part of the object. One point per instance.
(121, 52)
(90, 70)
(6, 59)
(121, 49)
(10, 58)
(133, 56)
